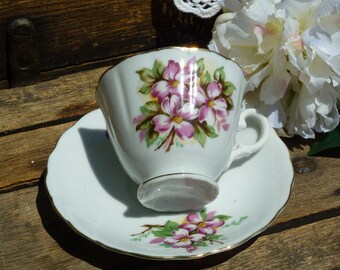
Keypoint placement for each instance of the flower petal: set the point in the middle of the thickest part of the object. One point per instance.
(215, 223)
(210, 215)
(188, 111)
(195, 95)
(197, 237)
(188, 226)
(274, 87)
(171, 70)
(162, 122)
(160, 90)
(193, 218)
(181, 244)
(138, 118)
(214, 89)
(170, 105)
(207, 114)
(170, 240)
(220, 107)
(184, 130)
(206, 230)
(157, 240)
(174, 104)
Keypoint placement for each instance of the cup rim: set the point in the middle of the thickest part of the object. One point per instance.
(182, 48)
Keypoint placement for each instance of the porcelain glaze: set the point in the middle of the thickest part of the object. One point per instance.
(172, 115)
(90, 190)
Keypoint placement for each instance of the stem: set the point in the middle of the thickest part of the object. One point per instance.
(148, 228)
(216, 241)
(171, 141)
(171, 133)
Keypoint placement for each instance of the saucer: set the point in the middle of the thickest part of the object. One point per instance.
(92, 193)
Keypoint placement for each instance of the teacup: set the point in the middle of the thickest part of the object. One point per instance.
(172, 115)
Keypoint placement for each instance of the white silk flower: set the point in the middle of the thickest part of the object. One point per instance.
(289, 51)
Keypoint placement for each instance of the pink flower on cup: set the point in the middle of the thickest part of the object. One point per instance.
(182, 101)
(211, 103)
(176, 117)
(174, 80)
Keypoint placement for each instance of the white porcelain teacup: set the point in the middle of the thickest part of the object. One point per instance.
(172, 115)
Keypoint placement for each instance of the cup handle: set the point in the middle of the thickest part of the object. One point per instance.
(243, 150)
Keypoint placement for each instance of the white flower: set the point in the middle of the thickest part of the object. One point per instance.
(289, 51)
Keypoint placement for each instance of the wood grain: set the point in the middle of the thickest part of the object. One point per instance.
(23, 157)
(65, 97)
(33, 236)
(71, 33)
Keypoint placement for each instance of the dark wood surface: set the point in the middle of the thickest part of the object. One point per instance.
(74, 35)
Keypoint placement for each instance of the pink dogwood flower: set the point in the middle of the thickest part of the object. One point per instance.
(211, 104)
(182, 239)
(175, 79)
(176, 117)
(204, 226)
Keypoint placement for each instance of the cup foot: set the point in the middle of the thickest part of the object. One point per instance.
(177, 192)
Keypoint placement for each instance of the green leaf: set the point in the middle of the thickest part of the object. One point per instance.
(228, 88)
(144, 124)
(165, 245)
(159, 233)
(222, 217)
(215, 236)
(208, 130)
(230, 103)
(151, 136)
(200, 66)
(203, 215)
(172, 225)
(199, 135)
(145, 89)
(199, 244)
(150, 108)
(326, 144)
(158, 69)
(178, 144)
(219, 74)
(205, 79)
(146, 75)
(239, 221)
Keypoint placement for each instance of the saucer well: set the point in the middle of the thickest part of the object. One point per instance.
(92, 193)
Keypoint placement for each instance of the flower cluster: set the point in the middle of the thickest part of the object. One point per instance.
(195, 231)
(290, 53)
(183, 102)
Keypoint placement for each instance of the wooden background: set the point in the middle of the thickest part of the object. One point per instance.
(75, 35)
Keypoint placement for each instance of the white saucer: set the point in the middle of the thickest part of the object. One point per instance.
(90, 190)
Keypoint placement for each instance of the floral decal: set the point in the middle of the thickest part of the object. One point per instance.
(183, 102)
(196, 230)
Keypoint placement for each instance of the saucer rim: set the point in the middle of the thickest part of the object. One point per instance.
(161, 257)
(167, 258)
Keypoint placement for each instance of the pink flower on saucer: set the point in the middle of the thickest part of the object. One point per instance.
(207, 225)
(182, 239)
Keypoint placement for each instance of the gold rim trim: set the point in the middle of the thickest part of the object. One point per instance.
(184, 48)
(167, 258)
